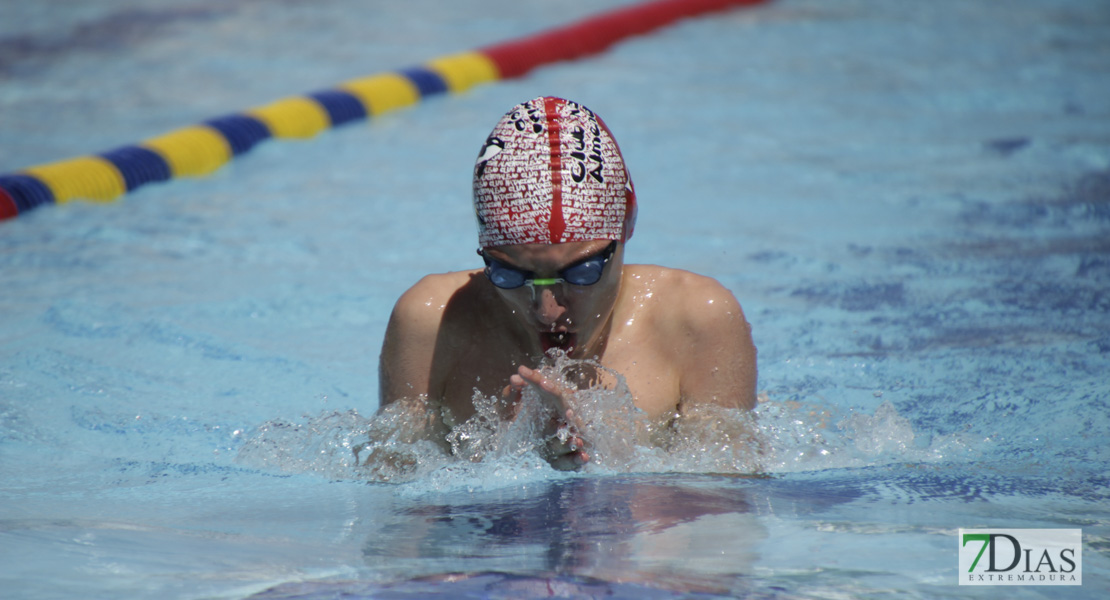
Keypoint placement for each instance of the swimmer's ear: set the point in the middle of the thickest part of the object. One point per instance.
(629, 209)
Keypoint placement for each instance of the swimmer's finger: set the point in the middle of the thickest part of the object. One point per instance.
(517, 382)
(576, 443)
(534, 377)
(573, 421)
(544, 384)
(514, 389)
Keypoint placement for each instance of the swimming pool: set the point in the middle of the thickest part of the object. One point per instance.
(916, 227)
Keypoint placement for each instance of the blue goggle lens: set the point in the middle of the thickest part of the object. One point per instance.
(503, 276)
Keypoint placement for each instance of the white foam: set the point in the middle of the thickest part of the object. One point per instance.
(808, 437)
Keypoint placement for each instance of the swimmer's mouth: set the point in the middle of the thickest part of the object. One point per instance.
(563, 340)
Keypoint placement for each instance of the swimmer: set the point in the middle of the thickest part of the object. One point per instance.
(555, 206)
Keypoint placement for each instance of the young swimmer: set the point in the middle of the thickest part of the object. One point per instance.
(555, 206)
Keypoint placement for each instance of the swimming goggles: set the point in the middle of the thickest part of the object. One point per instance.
(587, 271)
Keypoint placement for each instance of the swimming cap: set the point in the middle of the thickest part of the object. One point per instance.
(551, 172)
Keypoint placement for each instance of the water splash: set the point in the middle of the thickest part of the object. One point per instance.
(322, 445)
(798, 436)
(500, 444)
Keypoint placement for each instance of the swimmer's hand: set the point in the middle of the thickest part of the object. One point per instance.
(565, 450)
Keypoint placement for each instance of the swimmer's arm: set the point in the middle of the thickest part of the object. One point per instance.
(719, 357)
(404, 369)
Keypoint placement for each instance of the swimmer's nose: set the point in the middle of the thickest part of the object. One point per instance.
(546, 305)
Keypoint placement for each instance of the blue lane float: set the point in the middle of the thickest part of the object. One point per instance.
(138, 165)
(24, 193)
(242, 132)
(342, 107)
(427, 82)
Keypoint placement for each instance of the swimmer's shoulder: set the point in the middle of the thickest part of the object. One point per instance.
(689, 300)
(425, 302)
(706, 333)
(435, 289)
(678, 285)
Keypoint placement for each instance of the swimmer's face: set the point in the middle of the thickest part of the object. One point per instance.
(561, 315)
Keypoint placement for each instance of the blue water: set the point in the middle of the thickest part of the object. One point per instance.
(911, 201)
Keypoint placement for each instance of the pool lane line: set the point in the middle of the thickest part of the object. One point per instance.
(200, 149)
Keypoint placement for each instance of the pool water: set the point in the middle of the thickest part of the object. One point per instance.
(911, 201)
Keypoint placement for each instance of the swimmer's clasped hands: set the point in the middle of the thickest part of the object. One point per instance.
(565, 449)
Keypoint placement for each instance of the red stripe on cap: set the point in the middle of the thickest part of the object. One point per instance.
(556, 225)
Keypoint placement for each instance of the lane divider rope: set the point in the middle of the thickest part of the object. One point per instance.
(200, 149)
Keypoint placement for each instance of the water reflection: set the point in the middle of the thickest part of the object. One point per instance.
(681, 533)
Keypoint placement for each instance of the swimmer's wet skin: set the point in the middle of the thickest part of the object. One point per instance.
(555, 206)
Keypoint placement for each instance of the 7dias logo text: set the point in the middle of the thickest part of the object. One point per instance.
(1021, 557)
